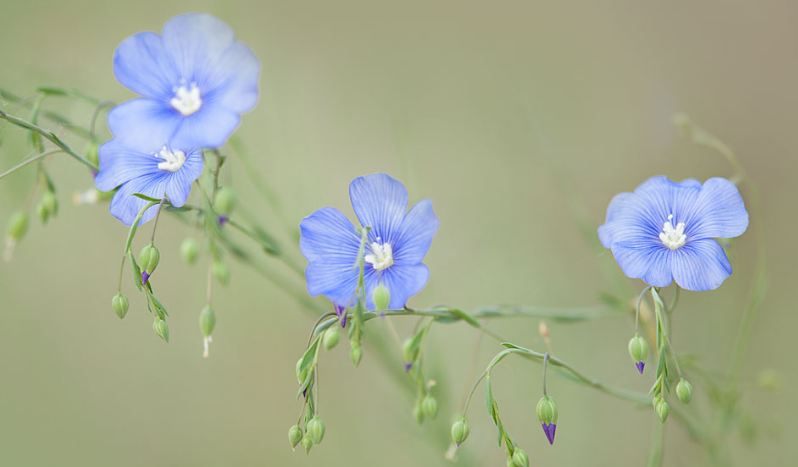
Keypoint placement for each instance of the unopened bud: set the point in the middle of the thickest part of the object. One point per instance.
(684, 391)
(331, 338)
(294, 436)
(161, 329)
(50, 202)
(92, 154)
(149, 256)
(42, 212)
(301, 373)
(207, 321)
(307, 443)
(381, 297)
(430, 407)
(408, 351)
(638, 350)
(189, 250)
(662, 408)
(221, 272)
(356, 353)
(225, 201)
(547, 415)
(315, 429)
(120, 305)
(460, 431)
(18, 225)
(418, 413)
(520, 459)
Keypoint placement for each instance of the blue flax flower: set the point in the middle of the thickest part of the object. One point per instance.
(395, 249)
(169, 173)
(194, 80)
(665, 231)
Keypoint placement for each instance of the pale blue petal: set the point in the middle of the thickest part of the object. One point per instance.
(233, 83)
(719, 212)
(124, 206)
(327, 235)
(143, 124)
(178, 187)
(701, 265)
(380, 202)
(647, 260)
(415, 235)
(208, 128)
(143, 65)
(196, 42)
(118, 164)
(336, 280)
(403, 281)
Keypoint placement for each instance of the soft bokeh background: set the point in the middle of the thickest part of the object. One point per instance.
(519, 119)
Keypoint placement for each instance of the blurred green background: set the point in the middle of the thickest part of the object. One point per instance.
(519, 119)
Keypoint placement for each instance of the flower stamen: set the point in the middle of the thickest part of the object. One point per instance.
(187, 100)
(381, 256)
(673, 237)
(173, 160)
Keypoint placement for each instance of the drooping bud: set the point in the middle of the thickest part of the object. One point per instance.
(520, 458)
(221, 272)
(547, 415)
(307, 443)
(225, 201)
(638, 350)
(301, 373)
(161, 329)
(408, 350)
(50, 203)
(684, 391)
(149, 256)
(418, 413)
(381, 297)
(42, 212)
(189, 250)
(207, 321)
(294, 436)
(429, 405)
(662, 408)
(18, 225)
(460, 431)
(315, 429)
(92, 153)
(356, 353)
(120, 305)
(331, 338)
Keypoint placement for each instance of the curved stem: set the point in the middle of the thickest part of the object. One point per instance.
(28, 161)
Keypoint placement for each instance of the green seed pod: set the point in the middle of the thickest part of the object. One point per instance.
(189, 250)
(429, 406)
(225, 201)
(50, 203)
(638, 349)
(221, 272)
(149, 256)
(381, 297)
(460, 431)
(408, 351)
(331, 338)
(301, 374)
(161, 329)
(294, 436)
(520, 458)
(307, 443)
(418, 413)
(547, 410)
(663, 409)
(207, 321)
(356, 353)
(120, 305)
(684, 391)
(92, 154)
(315, 429)
(18, 225)
(42, 212)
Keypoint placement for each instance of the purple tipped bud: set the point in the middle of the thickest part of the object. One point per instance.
(549, 429)
(144, 277)
(222, 220)
(341, 312)
(640, 366)
(408, 367)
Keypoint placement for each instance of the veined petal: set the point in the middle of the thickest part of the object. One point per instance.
(701, 265)
(380, 202)
(233, 82)
(403, 281)
(142, 64)
(196, 41)
(335, 279)
(208, 128)
(327, 235)
(718, 212)
(646, 260)
(143, 124)
(118, 164)
(125, 207)
(178, 186)
(415, 235)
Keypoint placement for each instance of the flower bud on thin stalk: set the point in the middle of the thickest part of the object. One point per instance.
(460, 431)
(207, 322)
(331, 338)
(221, 272)
(638, 350)
(547, 413)
(294, 436)
(381, 297)
(520, 458)
(225, 201)
(315, 430)
(120, 305)
(189, 250)
(17, 228)
(161, 329)
(149, 257)
(429, 406)
(684, 391)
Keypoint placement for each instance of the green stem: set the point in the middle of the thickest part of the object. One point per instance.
(28, 161)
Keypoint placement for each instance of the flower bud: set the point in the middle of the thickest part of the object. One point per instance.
(120, 305)
(429, 405)
(638, 350)
(18, 225)
(189, 250)
(225, 201)
(356, 353)
(520, 459)
(301, 374)
(408, 351)
(149, 256)
(460, 431)
(50, 203)
(92, 154)
(418, 413)
(42, 212)
(221, 272)
(381, 297)
(331, 338)
(207, 321)
(294, 436)
(662, 408)
(315, 429)
(161, 329)
(547, 414)
(307, 443)
(684, 391)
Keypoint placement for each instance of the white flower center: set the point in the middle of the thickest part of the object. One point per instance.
(187, 100)
(173, 160)
(673, 237)
(381, 256)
